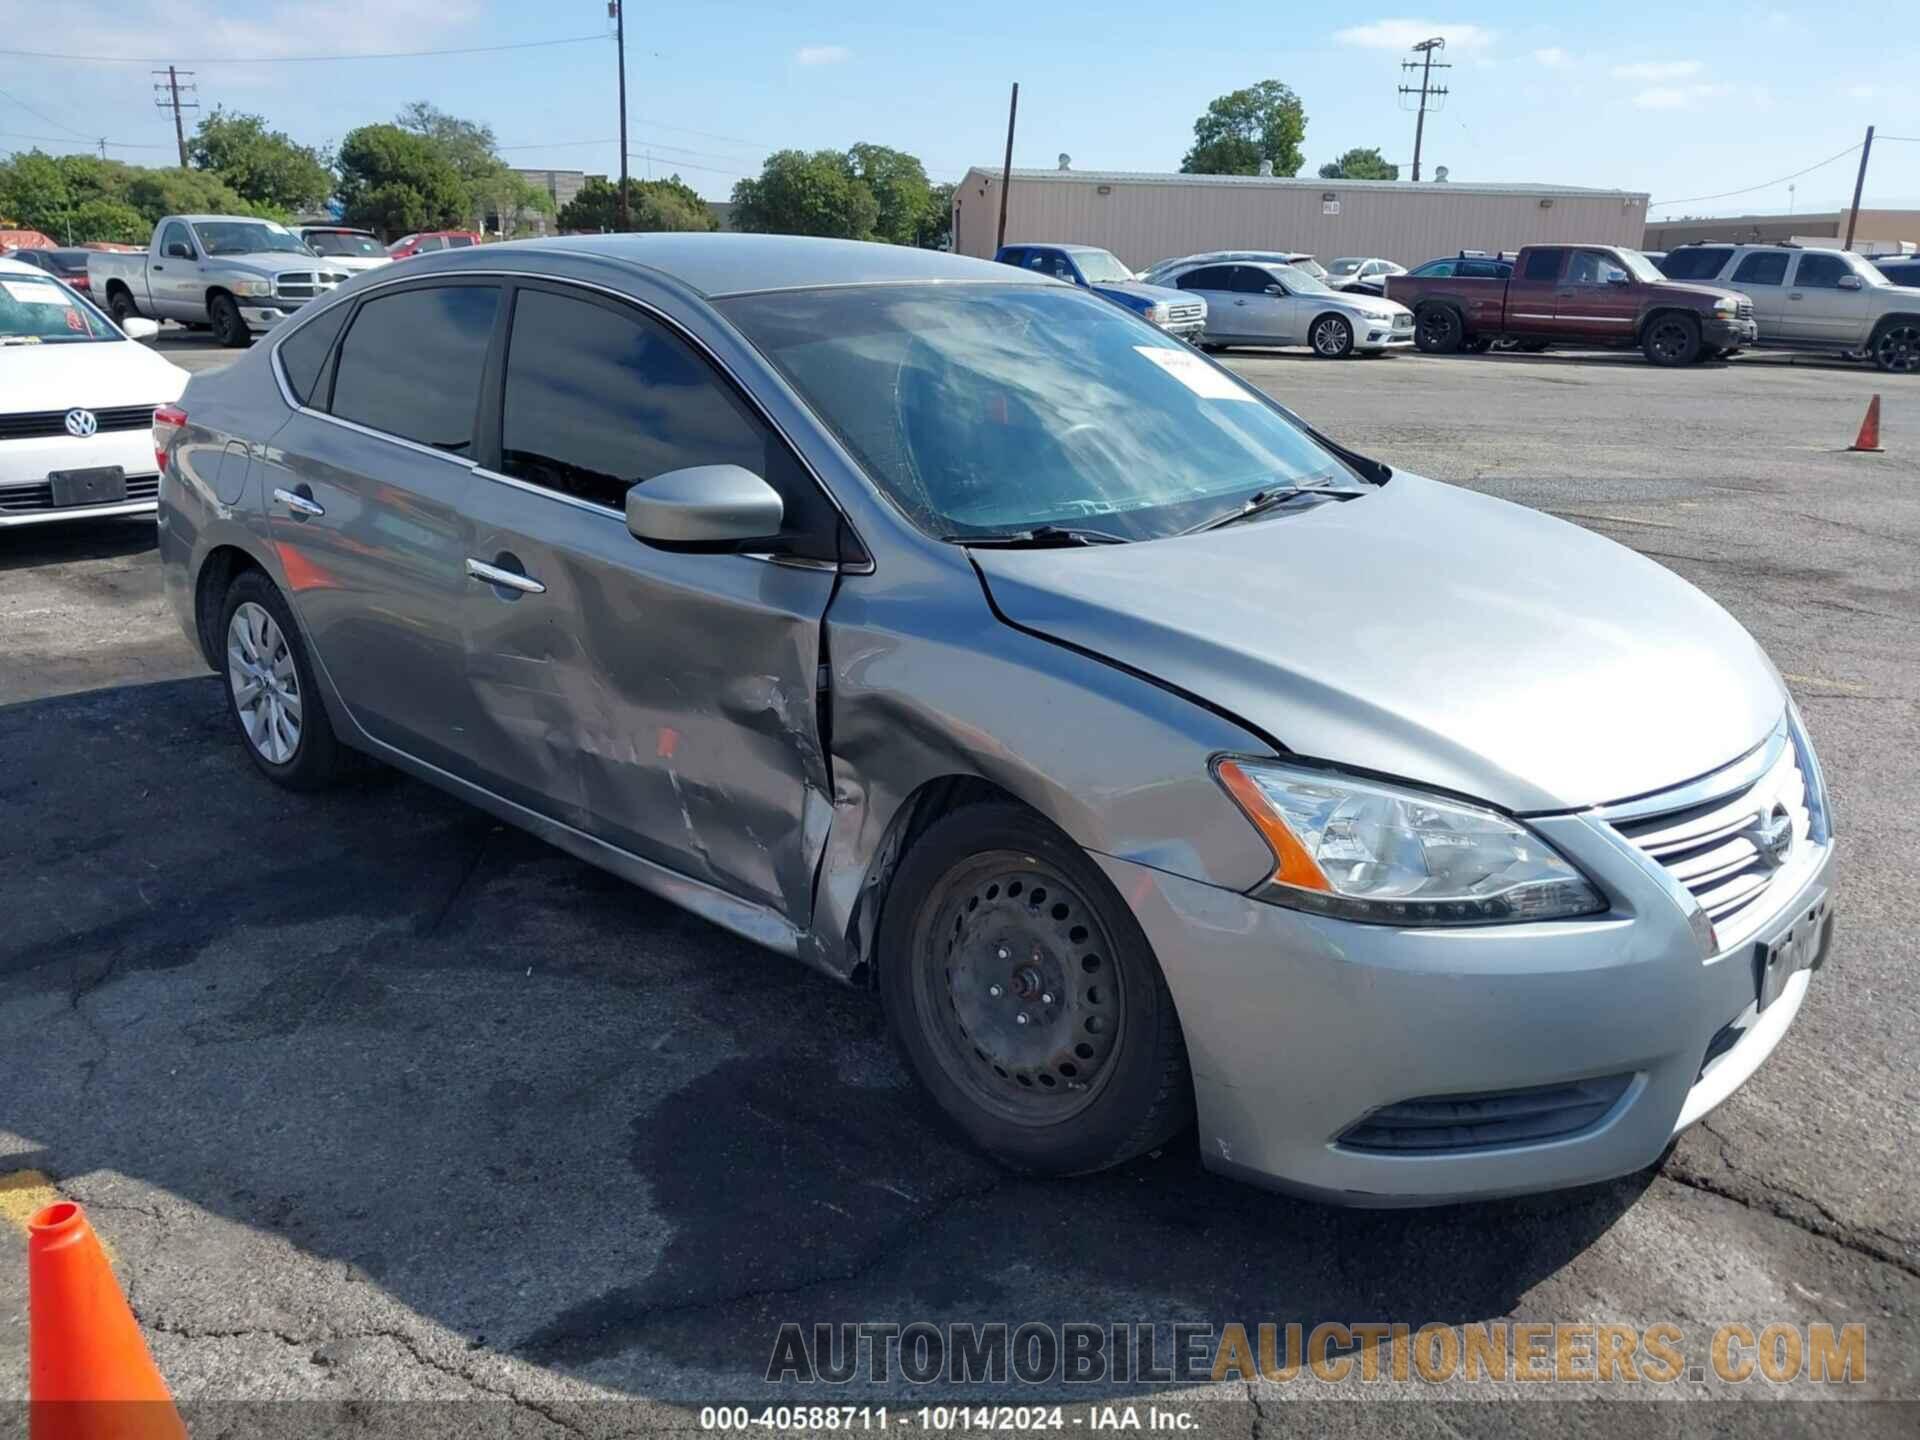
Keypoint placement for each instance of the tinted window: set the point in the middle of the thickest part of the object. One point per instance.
(1695, 263)
(1249, 281)
(1483, 270)
(303, 354)
(1013, 255)
(410, 365)
(1820, 272)
(599, 398)
(1901, 273)
(1762, 267)
(1544, 264)
(1433, 268)
(1210, 277)
(456, 242)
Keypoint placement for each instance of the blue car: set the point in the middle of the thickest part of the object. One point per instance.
(1100, 271)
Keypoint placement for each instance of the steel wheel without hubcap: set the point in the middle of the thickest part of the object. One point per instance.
(1027, 1002)
(266, 686)
(1898, 347)
(1437, 330)
(1332, 337)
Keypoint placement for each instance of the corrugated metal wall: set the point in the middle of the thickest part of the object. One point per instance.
(1145, 222)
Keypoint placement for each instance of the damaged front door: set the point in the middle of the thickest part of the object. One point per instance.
(662, 701)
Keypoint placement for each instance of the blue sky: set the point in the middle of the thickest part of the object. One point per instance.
(1723, 97)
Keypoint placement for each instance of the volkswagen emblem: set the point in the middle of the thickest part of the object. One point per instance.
(1773, 837)
(81, 423)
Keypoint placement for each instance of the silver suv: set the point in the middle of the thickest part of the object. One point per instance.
(1806, 299)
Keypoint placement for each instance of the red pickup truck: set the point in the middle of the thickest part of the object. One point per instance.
(1582, 295)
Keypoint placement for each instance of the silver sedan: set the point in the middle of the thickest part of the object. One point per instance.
(1255, 303)
(1154, 757)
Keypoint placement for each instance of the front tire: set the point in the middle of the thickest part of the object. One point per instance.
(1896, 348)
(271, 695)
(120, 305)
(1025, 998)
(228, 328)
(1332, 338)
(1437, 330)
(1672, 339)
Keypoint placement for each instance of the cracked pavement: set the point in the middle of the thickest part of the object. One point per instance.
(377, 1102)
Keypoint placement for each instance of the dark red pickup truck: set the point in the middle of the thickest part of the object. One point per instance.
(1581, 295)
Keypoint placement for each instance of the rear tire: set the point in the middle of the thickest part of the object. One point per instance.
(1437, 330)
(120, 304)
(994, 915)
(271, 695)
(223, 311)
(1671, 339)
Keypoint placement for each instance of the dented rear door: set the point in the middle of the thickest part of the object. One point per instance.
(663, 702)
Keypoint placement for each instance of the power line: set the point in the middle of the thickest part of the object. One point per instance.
(42, 115)
(1749, 189)
(688, 164)
(64, 140)
(297, 59)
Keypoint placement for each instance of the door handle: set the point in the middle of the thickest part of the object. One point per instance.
(510, 579)
(303, 506)
(158, 267)
(1239, 302)
(1795, 295)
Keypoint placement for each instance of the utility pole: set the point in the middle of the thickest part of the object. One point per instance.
(1859, 183)
(103, 147)
(167, 97)
(1427, 88)
(623, 220)
(1006, 166)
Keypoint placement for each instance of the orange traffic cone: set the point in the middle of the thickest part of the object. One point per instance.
(1869, 438)
(89, 1374)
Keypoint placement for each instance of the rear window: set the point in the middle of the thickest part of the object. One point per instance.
(410, 365)
(1696, 262)
(455, 242)
(1901, 273)
(1435, 269)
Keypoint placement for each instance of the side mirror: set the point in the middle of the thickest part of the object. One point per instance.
(179, 250)
(1276, 290)
(1851, 282)
(704, 507)
(1614, 277)
(138, 327)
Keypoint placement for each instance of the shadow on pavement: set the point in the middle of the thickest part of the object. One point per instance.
(552, 1114)
(68, 541)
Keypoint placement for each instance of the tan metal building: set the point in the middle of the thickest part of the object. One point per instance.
(1876, 230)
(1147, 217)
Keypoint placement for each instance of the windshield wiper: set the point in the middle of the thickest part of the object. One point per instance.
(1040, 537)
(1262, 501)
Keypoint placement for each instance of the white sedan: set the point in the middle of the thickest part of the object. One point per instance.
(1260, 304)
(77, 396)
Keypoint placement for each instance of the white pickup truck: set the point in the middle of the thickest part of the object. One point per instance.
(232, 273)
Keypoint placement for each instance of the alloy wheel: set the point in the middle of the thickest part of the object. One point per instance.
(1438, 329)
(1332, 338)
(1022, 988)
(265, 682)
(1898, 348)
(1669, 340)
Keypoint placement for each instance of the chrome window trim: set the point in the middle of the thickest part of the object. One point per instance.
(592, 507)
(1727, 780)
(653, 312)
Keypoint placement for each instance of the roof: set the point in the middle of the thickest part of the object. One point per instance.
(20, 267)
(721, 263)
(1298, 182)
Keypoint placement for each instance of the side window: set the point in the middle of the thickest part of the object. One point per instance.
(1481, 270)
(1820, 272)
(410, 365)
(175, 234)
(303, 354)
(1590, 267)
(459, 242)
(599, 398)
(1436, 269)
(1208, 277)
(1249, 281)
(430, 242)
(1061, 268)
(1762, 267)
(1544, 264)
(1694, 262)
(1013, 256)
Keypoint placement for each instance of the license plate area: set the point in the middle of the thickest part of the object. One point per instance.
(1801, 946)
(102, 485)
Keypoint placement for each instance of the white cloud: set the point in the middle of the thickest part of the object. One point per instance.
(1405, 34)
(822, 54)
(290, 27)
(1678, 97)
(1658, 70)
(1553, 57)
(1862, 92)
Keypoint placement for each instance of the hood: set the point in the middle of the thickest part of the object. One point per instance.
(355, 264)
(95, 375)
(1427, 633)
(271, 264)
(1358, 304)
(1142, 293)
(1679, 288)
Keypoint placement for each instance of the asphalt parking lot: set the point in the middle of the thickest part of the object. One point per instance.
(375, 1100)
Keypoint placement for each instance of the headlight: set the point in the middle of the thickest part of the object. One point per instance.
(1820, 829)
(1366, 851)
(1727, 306)
(252, 287)
(1160, 310)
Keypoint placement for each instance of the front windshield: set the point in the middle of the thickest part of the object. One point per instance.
(247, 237)
(1101, 267)
(984, 409)
(343, 242)
(37, 310)
(1641, 268)
(1299, 280)
(1312, 266)
(1345, 267)
(1867, 271)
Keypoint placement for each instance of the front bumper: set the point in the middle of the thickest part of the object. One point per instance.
(1724, 334)
(265, 317)
(25, 465)
(1188, 330)
(1298, 1027)
(1368, 335)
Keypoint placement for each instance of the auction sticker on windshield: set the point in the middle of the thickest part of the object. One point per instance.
(1194, 373)
(35, 292)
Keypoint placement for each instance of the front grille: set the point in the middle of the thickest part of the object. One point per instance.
(1711, 846)
(1182, 314)
(303, 285)
(1746, 310)
(39, 424)
(38, 498)
(1495, 1117)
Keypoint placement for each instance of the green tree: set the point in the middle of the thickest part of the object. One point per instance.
(1239, 130)
(114, 220)
(34, 193)
(652, 204)
(394, 181)
(899, 185)
(186, 192)
(1358, 164)
(936, 227)
(797, 193)
(262, 165)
